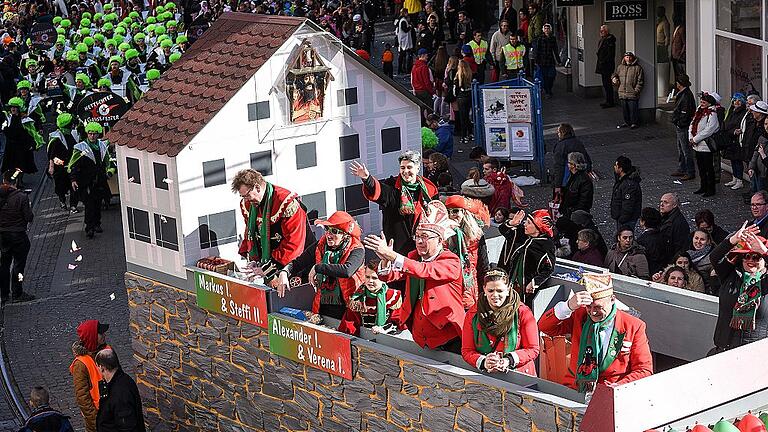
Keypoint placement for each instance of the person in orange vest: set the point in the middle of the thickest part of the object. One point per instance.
(91, 339)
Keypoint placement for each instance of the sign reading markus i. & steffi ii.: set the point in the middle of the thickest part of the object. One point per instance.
(626, 10)
(314, 347)
(241, 302)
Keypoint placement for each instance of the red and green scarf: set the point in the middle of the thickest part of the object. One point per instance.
(410, 192)
(747, 302)
(483, 343)
(261, 249)
(462, 251)
(330, 256)
(381, 302)
(591, 351)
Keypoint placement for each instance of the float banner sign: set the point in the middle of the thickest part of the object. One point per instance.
(43, 35)
(238, 301)
(316, 348)
(105, 108)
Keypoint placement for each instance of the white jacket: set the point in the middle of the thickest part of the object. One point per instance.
(707, 127)
(404, 40)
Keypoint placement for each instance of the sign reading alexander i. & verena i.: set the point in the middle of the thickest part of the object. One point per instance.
(225, 297)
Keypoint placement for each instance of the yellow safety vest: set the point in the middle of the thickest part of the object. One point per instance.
(513, 56)
(479, 50)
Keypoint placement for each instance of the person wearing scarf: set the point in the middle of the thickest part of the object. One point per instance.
(374, 305)
(335, 265)
(401, 198)
(432, 309)
(734, 130)
(740, 264)
(528, 254)
(469, 243)
(705, 124)
(276, 226)
(700, 258)
(608, 346)
(500, 334)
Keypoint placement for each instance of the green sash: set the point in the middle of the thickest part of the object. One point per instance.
(416, 288)
(264, 232)
(462, 251)
(483, 343)
(381, 302)
(591, 351)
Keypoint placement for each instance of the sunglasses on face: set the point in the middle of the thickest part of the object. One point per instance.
(752, 257)
(334, 230)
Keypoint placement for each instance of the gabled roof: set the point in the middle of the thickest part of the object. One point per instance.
(190, 93)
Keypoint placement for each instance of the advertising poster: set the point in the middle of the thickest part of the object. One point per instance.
(494, 103)
(238, 301)
(498, 142)
(520, 137)
(519, 106)
(321, 349)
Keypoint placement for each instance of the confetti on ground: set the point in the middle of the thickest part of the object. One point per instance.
(74, 247)
(163, 219)
(79, 258)
(677, 182)
(685, 203)
(21, 277)
(71, 266)
(112, 296)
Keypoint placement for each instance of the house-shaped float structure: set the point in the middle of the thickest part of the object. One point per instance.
(277, 94)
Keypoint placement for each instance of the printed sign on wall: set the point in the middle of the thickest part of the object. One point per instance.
(494, 103)
(225, 297)
(498, 142)
(320, 349)
(519, 105)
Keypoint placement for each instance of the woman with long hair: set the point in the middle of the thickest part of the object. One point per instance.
(449, 81)
(500, 333)
(463, 92)
(469, 243)
(439, 65)
(694, 281)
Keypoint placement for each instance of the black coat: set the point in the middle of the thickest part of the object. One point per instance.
(685, 108)
(546, 52)
(47, 419)
(656, 249)
(578, 194)
(509, 14)
(120, 405)
(19, 146)
(730, 281)
(675, 228)
(736, 150)
(606, 55)
(537, 255)
(560, 158)
(627, 198)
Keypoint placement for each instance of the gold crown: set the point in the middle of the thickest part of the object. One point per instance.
(496, 272)
(598, 285)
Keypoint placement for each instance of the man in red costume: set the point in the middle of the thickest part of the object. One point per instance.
(608, 346)
(276, 222)
(432, 309)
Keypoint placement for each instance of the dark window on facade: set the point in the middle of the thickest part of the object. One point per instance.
(306, 155)
(315, 204)
(262, 162)
(161, 175)
(349, 147)
(134, 172)
(165, 232)
(258, 111)
(390, 140)
(347, 96)
(214, 173)
(217, 229)
(351, 200)
(138, 225)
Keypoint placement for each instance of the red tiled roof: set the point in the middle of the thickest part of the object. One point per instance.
(190, 93)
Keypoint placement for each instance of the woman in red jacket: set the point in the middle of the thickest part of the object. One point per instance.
(469, 243)
(500, 333)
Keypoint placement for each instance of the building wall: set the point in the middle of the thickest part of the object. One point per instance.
(232, 137)
(202, 372)
(140, 192)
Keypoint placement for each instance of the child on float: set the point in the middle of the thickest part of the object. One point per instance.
(374, 305)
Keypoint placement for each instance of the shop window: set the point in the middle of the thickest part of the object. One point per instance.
(739, 66)
(262, 162)
(347, 96)
(741, 17)
(350, 147)
(258, 111)
(390, 140)
(165, 232)
(161, 175)
(351, 200)
(217, 229)
(214, 173)
(134, 172)
(306, 155)
(315, 204)
(138, 225)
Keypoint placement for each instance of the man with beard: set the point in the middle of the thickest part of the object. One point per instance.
(307, 104)
(132, 63)
(123, 81)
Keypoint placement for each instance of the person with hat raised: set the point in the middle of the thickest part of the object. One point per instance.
(608, 346)
(89, 168)
(704, 125)
(500, 333)
(61, 143)
(740, 265)
(432, 310)
(469, 243)
(685, 107)
(335, 265)
(91, 338)
(528, 254)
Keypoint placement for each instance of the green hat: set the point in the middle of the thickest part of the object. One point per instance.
(116, 58)
(139, 36)
(124, 46)
(159, 29)
(93, 127)
(98, 16)
(63, 120)
(174, 57)
(57, 20)
(171, 23)
(131, 54)
(161, 38)
(104, 82)
(61, 40)
(151, 20)
(108, 7)
(24, 84)
(89, 41)
(134, 15)
(72, 56)
(110, 17)
(180, 39)
(84, 78)
(28, 42)
(99, 37)
(153, 74)
(31, 62)
(85, 32)
(81, 48)
(170, 6)
(127, 21)
(85, 22)
(86, 15)
(159, 9)
(66, 23)
(111, 42)
(107, 27)
(17, 102)
(135, 27)
(61, 31)
(120, 30)
(166, 43)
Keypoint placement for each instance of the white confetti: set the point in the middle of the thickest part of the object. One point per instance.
(79, 258)
(130, 179)
(167, 181)
(163, 219)
(686, 203)
(74, 247)
(677, 182)
(71, 266)
(21, 277)
(112, 296)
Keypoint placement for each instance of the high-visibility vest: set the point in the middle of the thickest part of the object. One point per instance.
(479, 50)
(93, 374)
(513, 56)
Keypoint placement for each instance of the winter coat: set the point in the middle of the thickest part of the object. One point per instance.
(16, 214)
(535, 24)
(656, 247)
(19, 146)
(537, 255)
(675, 228)
(706, 126)
(578, 194)
(444, 133)
(545, 51)
(560, 153)
(47, 419)
(606, 55)
(685, 107)
(591, 256)
(630, 263)
(737, 119)
(403, 33)
(627, 198)
(757, 163)
(120, 406)
(631, 79)
(498, 40)
(421, 78)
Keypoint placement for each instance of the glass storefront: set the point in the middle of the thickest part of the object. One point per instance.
(739, 67)
(740, 16)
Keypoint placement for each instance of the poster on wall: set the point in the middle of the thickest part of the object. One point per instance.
(494, 102)
(519, 105)
(497, 141)
(235, 300)
(520, 139)
(326, 350)
(306, 81)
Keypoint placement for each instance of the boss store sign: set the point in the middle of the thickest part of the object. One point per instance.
(628, 10)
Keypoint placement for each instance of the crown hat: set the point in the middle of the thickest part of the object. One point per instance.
(435, 219)
(598, 285)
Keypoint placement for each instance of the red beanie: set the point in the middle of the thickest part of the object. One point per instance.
(88, 332)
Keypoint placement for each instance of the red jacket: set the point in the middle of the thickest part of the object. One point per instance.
(527, 348)
(438, 317)
(287, 218)
(421, 78)
(634, 359)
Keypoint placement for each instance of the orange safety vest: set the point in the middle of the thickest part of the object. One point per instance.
(93, 374)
